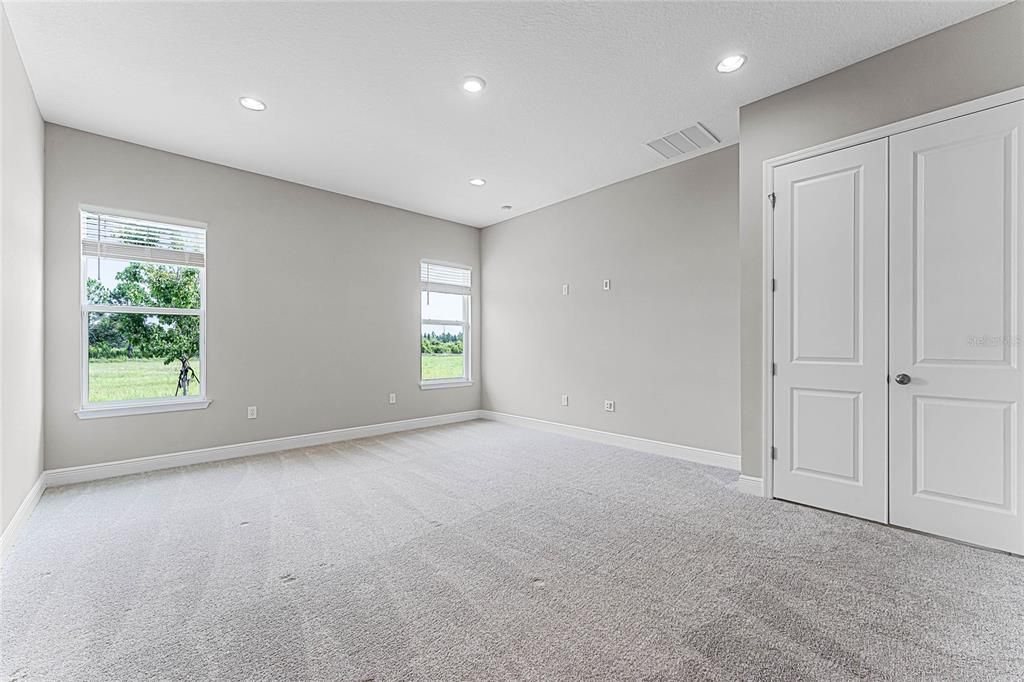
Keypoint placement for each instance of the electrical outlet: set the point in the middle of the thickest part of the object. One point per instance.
(565, 400)
(606, 285)
(251, 412)
(565, 290)
(609, 406)
(392, 398)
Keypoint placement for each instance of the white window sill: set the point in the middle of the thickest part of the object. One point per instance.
(431, 385)
(128, 409)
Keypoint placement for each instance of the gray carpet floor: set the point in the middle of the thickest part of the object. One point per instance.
(484, 551)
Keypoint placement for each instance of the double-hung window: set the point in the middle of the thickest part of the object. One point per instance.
(445, 305)
(143, 315)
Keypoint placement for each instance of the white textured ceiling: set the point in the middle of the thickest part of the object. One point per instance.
(364, 98)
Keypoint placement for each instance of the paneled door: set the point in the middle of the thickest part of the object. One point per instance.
(829, 344)
(956, 251)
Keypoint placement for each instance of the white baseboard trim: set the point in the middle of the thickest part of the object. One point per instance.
(725, 460)
(751, 485)
(10, 534)
(94, 472)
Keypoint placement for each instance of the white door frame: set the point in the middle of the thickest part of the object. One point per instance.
(768, 235)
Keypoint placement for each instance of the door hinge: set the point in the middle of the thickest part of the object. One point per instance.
(771, 198)
(775, 368)
(775, 452)
(775, 284)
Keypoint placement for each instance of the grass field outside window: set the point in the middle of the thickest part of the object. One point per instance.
(441, 366)
(136, 379)
(148, 379)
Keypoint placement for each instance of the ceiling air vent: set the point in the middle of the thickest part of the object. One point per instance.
(683, 141)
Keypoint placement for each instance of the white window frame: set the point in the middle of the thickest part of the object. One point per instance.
(465, 323)
(118, 408)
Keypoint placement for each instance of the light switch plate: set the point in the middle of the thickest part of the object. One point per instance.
(565, 400)
(609, 406)
(606, 285)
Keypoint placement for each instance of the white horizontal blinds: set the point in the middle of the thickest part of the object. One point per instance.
(445, 279)
(136, 239)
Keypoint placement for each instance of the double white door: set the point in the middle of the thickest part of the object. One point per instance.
(899, 297)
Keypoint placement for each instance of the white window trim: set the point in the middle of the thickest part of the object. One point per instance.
(431, 384)
(135, 407)
(142, 215)
(467, 331)
(123, 408)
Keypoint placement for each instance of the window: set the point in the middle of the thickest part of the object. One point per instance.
(143, 315)
(445, 305)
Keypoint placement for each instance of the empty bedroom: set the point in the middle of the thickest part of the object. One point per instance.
(511, 340)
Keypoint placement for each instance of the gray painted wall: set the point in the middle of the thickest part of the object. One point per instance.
(313, 302)
(21, 281)
(663, 342)
(981, 56)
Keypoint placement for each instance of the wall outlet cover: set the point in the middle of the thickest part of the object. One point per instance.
(251, 412)
(609, 406)
(392, 398)
(565, 290)
(565, 400)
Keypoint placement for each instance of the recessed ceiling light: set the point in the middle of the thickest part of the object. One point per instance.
(477, 182)
(731, 63)
(473, 84)
(252, 104)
